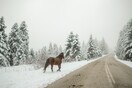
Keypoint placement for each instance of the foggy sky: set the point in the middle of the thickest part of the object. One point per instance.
(53, 20)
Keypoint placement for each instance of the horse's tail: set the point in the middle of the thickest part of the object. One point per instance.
(46, 64)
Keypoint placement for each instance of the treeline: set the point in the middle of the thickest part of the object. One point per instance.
(124, 44)
(92, 49)
(13, 48)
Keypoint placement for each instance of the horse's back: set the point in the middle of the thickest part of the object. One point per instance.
(51, 60)
(54, 61)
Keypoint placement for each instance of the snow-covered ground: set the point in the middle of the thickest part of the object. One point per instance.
(128, 63)
(26, 77)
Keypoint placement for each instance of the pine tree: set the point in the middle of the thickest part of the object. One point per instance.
(75, 47)
(124, 44)
(92, 50)
(98, 49)
(14, 44)
(69, 44)
(24, 40)
(4, 49)
(72, 47)
(120, 44)
(128, 43)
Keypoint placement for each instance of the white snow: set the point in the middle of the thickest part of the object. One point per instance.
(25, 76)
(128, 63)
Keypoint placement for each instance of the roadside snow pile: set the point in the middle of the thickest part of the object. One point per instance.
(26, 77)
(128, 63)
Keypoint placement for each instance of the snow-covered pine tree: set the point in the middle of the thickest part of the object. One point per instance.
(4, 49)
(92, 49)
(120, 44)
(75, 47)
(98, 50)
(72, 47)
(14, 44)
(124, 44)
(69, 45)
(128, 43)
(24, 41)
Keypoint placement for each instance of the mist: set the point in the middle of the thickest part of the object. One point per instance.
(53, 20)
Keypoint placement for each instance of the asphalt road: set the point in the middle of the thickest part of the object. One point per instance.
(103, 73)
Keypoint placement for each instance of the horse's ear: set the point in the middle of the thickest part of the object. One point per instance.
(62, 54)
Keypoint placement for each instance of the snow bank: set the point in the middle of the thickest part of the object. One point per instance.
(20, 68)
(18, 77)
(128, 63)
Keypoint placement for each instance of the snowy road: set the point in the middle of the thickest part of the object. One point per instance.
(106, 72)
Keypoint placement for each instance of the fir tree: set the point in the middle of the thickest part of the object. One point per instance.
(124, 44)
(98, 49)
(75, 47)
(69, 45)
(120, 45)
(92, 49)
(128, 43)
(14, 44)
(4, 56)
(24, 43)
(72, 47)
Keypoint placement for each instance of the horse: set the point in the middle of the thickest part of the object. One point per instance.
(54, 61)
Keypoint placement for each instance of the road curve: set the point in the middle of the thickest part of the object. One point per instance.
(103, 73)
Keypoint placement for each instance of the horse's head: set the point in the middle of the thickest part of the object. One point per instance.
(62, 55)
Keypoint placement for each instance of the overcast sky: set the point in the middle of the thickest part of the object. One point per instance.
(53, 20)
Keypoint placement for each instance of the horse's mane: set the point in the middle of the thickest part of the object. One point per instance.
(61, 55)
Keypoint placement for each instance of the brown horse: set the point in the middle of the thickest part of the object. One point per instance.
(54, 61)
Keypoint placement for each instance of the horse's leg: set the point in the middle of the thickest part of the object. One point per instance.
(51, 67)
(46, 65)
(59, 67)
